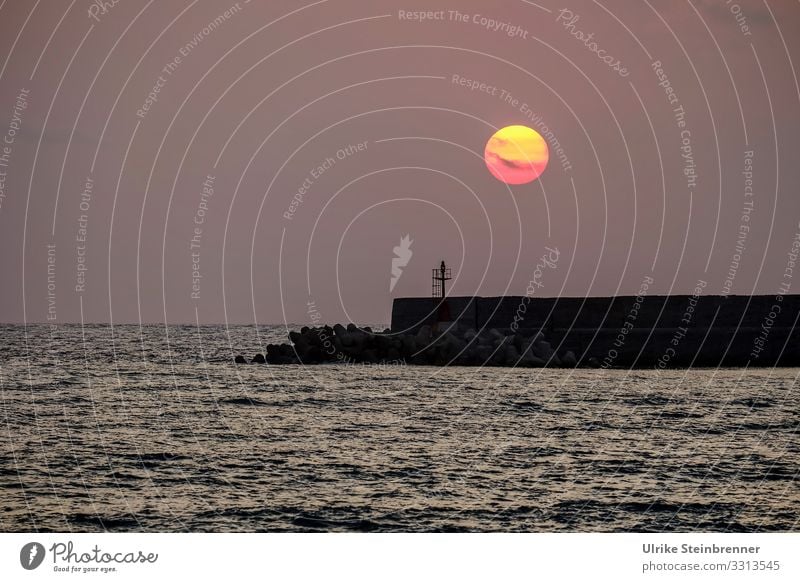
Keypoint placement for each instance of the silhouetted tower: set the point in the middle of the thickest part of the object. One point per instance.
(440, 275)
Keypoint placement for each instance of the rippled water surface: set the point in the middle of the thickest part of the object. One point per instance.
(140, 431)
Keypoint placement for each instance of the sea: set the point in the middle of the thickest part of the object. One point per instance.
(154, 429)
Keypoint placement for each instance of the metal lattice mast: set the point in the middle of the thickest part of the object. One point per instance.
(441, 275)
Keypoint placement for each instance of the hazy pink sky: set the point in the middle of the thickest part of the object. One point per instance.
(330, 130)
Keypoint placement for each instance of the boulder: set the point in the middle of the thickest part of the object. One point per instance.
(498, 358)
(359, 340)
(511, 355)
(409, 344)
(530, 361)
(311, 356)
(272, 350)
(447, 343)
(302, 351)
(482, 355)
(449, 346)
(382, 342)
(496, 334)
(498, 342)
(543, 350)
(423, 337)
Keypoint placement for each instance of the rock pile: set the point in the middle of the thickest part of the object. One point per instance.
(455, 345)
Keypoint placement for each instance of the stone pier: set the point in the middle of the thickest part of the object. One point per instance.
(674, 331)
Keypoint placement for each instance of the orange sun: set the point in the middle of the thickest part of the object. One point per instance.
(516, 154)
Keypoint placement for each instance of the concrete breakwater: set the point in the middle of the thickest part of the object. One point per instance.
(641, 331)
(644, 331)
(438, 345)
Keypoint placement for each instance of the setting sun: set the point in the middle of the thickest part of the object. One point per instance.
(516, 154)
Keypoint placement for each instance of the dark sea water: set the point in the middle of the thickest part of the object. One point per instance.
(130, 432)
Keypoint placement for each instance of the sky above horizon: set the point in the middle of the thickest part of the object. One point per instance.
(263, 162)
